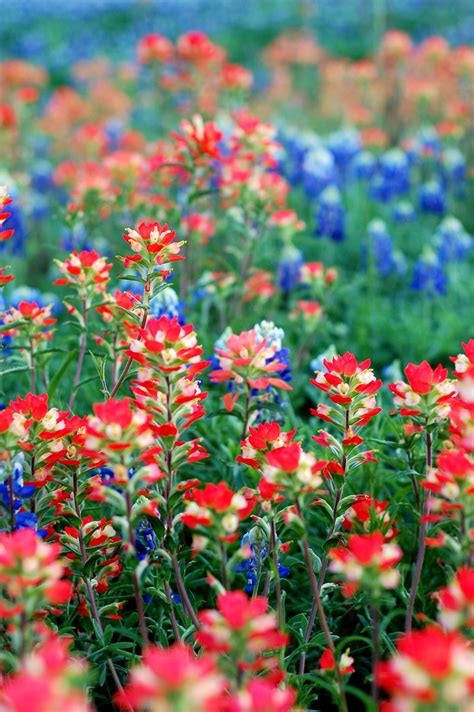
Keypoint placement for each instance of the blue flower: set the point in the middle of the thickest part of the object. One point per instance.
(403, 212)
(429, 275)
(254, 565)
(387, 260)
(451, 240)
(393, 178)
(146, 540)
(432, 198)
(289, 268)
(167, 303)
(319, 171)
(344, 146)
(330, 215)
(364, 166)
(21, 492)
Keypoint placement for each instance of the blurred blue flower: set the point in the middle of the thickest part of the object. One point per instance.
(432, 197)
(289, 268)
(387, 260)
(330, 215)
(429, 275)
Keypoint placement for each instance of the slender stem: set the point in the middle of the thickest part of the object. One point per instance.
(11, 502)
(321, 577)
(140, 610)
(223, 558)
(274, 551)
(126, 368)
(323, 621)
(376, 651)
(32, 367)
(174, 623)
(113, 375)
(82, 351)
(136, 584)
(183, 593)
(421, 542)
(246, 415)
(90, 588)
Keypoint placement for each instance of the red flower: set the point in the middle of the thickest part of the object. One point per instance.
(173, 678)
(422, 378)
(154, 48)
(241, 626)
(428, 667)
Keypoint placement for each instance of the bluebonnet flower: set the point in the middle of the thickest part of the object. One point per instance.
(429, 275)
(427, 142)
(403, 212)
(21, 492)
(454, 166)
(253, 566)
(6, 340)
(274, 337)
(297, 145)
(364, 165)
(146, 540)
(167, 303)
(319, 171)
(330, 215)
(114, 130)
(393, 178)
(344, 146)
(387, 260)
(74, 238)
(41, 176)
(432, 197)
(289, 268)
(451, 240)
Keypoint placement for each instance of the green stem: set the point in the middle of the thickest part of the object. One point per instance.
(421, 542)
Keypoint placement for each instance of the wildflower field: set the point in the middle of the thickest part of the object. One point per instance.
(237, 356)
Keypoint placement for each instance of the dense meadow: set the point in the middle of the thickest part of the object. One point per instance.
(237, 375)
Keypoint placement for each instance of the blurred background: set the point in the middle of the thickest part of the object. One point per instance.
(56, 33)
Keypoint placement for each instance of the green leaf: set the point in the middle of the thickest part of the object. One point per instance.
(60, 372)
(16, 369)
(11, 325)
(200, 194)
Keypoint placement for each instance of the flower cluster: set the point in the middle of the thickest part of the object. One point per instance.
(31, 574)
(247, 359)
(431, 670)
(426, 393)
(456, 601)
(242, 628)
(367, 562)
(152, 245)
(86, 271)
(49, 677)
(217, 510)
(174, 677)
(351, 388)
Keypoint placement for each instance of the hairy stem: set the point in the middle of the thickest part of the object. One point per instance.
(90, 588)
(183, 593)
(174, 623)
(421, 543)
(322, 618)
(375, 652)
(82, 351)
(274, 551)
(136, 584)
(126, 368)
